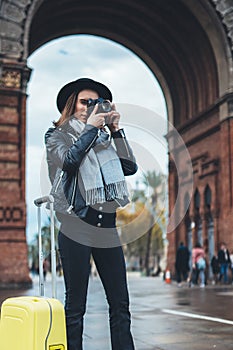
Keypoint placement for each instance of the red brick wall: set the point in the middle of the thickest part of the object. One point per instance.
(210, 144)
(13, 247)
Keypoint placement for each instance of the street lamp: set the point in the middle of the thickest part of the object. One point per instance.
(193, 225)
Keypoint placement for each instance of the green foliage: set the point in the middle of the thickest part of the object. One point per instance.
(144, 226)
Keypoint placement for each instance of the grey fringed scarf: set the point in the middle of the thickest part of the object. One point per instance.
(101, 170)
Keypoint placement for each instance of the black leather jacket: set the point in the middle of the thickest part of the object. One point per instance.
(65, 152)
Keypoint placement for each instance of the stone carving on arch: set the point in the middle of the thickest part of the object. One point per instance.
(225, 10)
(13, 16)
(16, 16)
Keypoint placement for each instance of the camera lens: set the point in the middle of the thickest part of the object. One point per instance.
(106, 106)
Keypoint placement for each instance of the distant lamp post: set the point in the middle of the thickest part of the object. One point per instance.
(152, 210)
(193, 225)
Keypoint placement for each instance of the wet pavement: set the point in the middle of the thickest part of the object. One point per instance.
(164, 317)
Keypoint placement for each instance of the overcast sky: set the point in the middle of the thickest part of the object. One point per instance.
(135, 90)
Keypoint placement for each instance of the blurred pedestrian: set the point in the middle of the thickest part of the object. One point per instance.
(215, 268)
(231, 258)
(182, 263)
(33, 269)
(224, 261)
(198, 265)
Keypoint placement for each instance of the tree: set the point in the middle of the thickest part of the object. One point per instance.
(138, 222)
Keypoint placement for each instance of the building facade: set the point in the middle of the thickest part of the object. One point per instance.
(187, 44)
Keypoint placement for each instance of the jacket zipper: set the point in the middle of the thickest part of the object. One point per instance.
(126, 146)
(59, 180)
(89, 147)
(69, 210)
(74, 139)
(125, 143)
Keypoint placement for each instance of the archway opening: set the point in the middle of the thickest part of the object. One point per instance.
(172, 41)
(68, 58)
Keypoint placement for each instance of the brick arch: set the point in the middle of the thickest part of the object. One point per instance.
(191, 62)
(177, 51)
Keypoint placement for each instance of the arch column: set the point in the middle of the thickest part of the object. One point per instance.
(13, 263)
(215, 216)
(199, 229)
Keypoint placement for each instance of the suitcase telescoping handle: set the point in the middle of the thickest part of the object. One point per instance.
(38, 202)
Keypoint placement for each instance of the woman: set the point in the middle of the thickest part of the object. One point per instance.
(88, 184)
(199, 265)
(224, 262)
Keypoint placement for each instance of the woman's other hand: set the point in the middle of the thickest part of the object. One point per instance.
(113, 119)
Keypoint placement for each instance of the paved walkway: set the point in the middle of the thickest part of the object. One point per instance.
(164, 317)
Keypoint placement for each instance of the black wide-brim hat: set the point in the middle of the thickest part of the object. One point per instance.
(79, 85)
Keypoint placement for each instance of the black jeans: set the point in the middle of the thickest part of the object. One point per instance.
(110, 263)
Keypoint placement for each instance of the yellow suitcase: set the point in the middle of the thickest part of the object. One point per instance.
(32, 323)
(35, 323)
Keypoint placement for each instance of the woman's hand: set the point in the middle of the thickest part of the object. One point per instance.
(99, 120)
(113, 119)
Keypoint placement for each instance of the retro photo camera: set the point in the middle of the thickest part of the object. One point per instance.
(104, 106)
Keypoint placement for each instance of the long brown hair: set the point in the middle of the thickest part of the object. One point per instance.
(68, 110)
